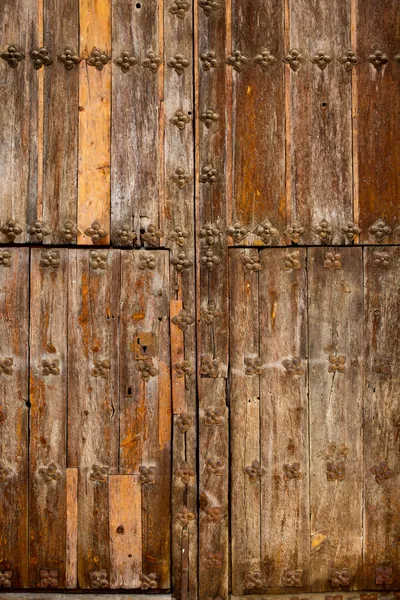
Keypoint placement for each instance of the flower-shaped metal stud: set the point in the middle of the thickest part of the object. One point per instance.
(209, 232)
(69, 59)
(184, 422)
(251, 263)
(214, 465)
(39, 230)
(253, 366)
(152, 235)
(148, 582)
(209, 6)
(384, 574)
(237, 231)
(5, 578)
(185, 516)
(95, 232)
(69, 231)
(266, 232)
(179, 8)
(349, 60)
(214, 416)
(126, 61)
(99, 473)
(180, 119)
(294, 232)
(210, 260)
(294, 59)
(179, 235)
(5, 258)
(11, 229)
(183, 368)
(210, 313)
(254, 471)
(381, 260)
(253, 580)
(350, 230)
(185, 473)
(340, 578)
(179, 63)
(291, 260)
(123, 235)
(152, 61)
(382, 472)
(293, 366)
(321, 59)
(98, 579)
(147, 369)
(293, 578)
(147, 261)
(209, 117)
(209, 60)
(50, 367)
(101, 368)
(181, 262)
(209, 366)
(336, 471)
(213, 515)
(12, 56)
(50, 473)
(48, 578)
(214, 559)
(98, 59)
(183, 319)
(237, 60)
(50, 259)
(292, 471)
(6, 365)
(382, 365)
(378, 59)
(180, 177)
(265, 59)
(41, 58)
(147, 475)
(333, 260)
(208, 174)
(337, 364)
(324, 230)
(98, 260)
(380, 230)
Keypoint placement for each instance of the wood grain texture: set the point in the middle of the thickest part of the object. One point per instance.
(244, 405)
(94, 120)
(19, 100)
(61, 117)
(125, 531)
(320, 146)
(48, 414)
(177, 358)
(71, 562)
(14, 328)
(336, 403)
(285, 526)
(93, 315)
(381, 418)
(136, 187)
(378, 127)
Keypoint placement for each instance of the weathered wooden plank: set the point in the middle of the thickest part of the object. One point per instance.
(19, 94)
(125, 531)
(48, 417)
(381, 419)
(94, 122)
(93, 383)
(14, 327)
(213, 487)
(61, 117)
(71, 563)
(259, 102)
(38, 596)
(178, 358)
(285, 526)
(320, 145)
(335, 316)
(244, 418)
(145, 399)
(378, 78)
(136, 144)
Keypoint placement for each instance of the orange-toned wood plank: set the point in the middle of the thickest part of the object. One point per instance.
(177, 357)
(94, 122)
(71, 566)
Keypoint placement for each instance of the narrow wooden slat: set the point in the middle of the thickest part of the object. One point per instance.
(125, 531)
(48, 416)
(177, 357)
(336, 369)
(285, 526)
(19, 93)
(44, 596)
(320, 115)
(259, 125)
(61, 116)
(244, 419)
(93, 367)
(145, 420)
(381, 418)
(94, 121)
(136, 189)
(14, 327)
(71, 563)
(378, 126)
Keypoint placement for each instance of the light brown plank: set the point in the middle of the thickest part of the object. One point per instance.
(177, 358)
(336, 402)
(71, 564)
(285, 526)
(125, 531)
(14, 328)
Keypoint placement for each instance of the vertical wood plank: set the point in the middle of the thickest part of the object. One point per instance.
(177, 357)
(125, 531)
(136, 150)
(244, 418)
(336, 404)
(48, 416)
(93, 388)
(145, 420)
(71, 565)
(285, 526)
(94, 122)
(19, 113)
(61, 116)
(378, 126)
(381, 419)
(320, 148)
(14, 328)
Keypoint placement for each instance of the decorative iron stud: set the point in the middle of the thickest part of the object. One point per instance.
(41, 58)
(208, 174)
(98, 260)
(48, 578)
(69, 231)
(349, 60)
(147, 475)
(213, 515)
(50, 259)
(291, 260)
(214, 465)
(179, 235)
(50, 473)
(210, 260)
(183, 319)
(11, 229)
(146, 369)
(5, 258)
(185, 473)
(293, 578)
(95, 232)
(152, 61)
(292, 471)
(209, 366)
(180, 119)
(340, 578)
(153, 235)
(98, 58)
(324, 230)
(214, 559)
(384, 574)
(179, 8)
(99, 473)
(350, 230)
(237, 231)
(382, 472)
(179, 63)
(210, 313)
(183, 368)
(214, 416)
(254, 366)
(12, 56)
(209, 117)
(253, 580)
(265, 59)
(382, 365)
(184, 422)
(39, 230)
(337, 364)
(125, 61)
(293, 366)
(336, 471)
(184, 516)
(6, 363)
(294, 59)
(180, 177)
(378, 59)
(294, 232)
(254, 471)
(380, 230)
(181, 262)
(381, 259)
(123, 235)
(5, 578)
(209, 6)
(251, 263)
(266, 232)
(101, 368)
(209, 60)
(321, 60)
(98, 579)
(209, 233)
(333, 260)
(147, 261)
(69, 59)
(237, 60)
(148, 582)
(50, 367)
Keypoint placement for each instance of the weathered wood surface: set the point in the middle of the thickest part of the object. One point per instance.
(381, 419)
(48, 415)
(71, 562)
(14, 467)
(74, 596)
(285, 527)
(335, 315)
(378, 127)
(319, 107)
